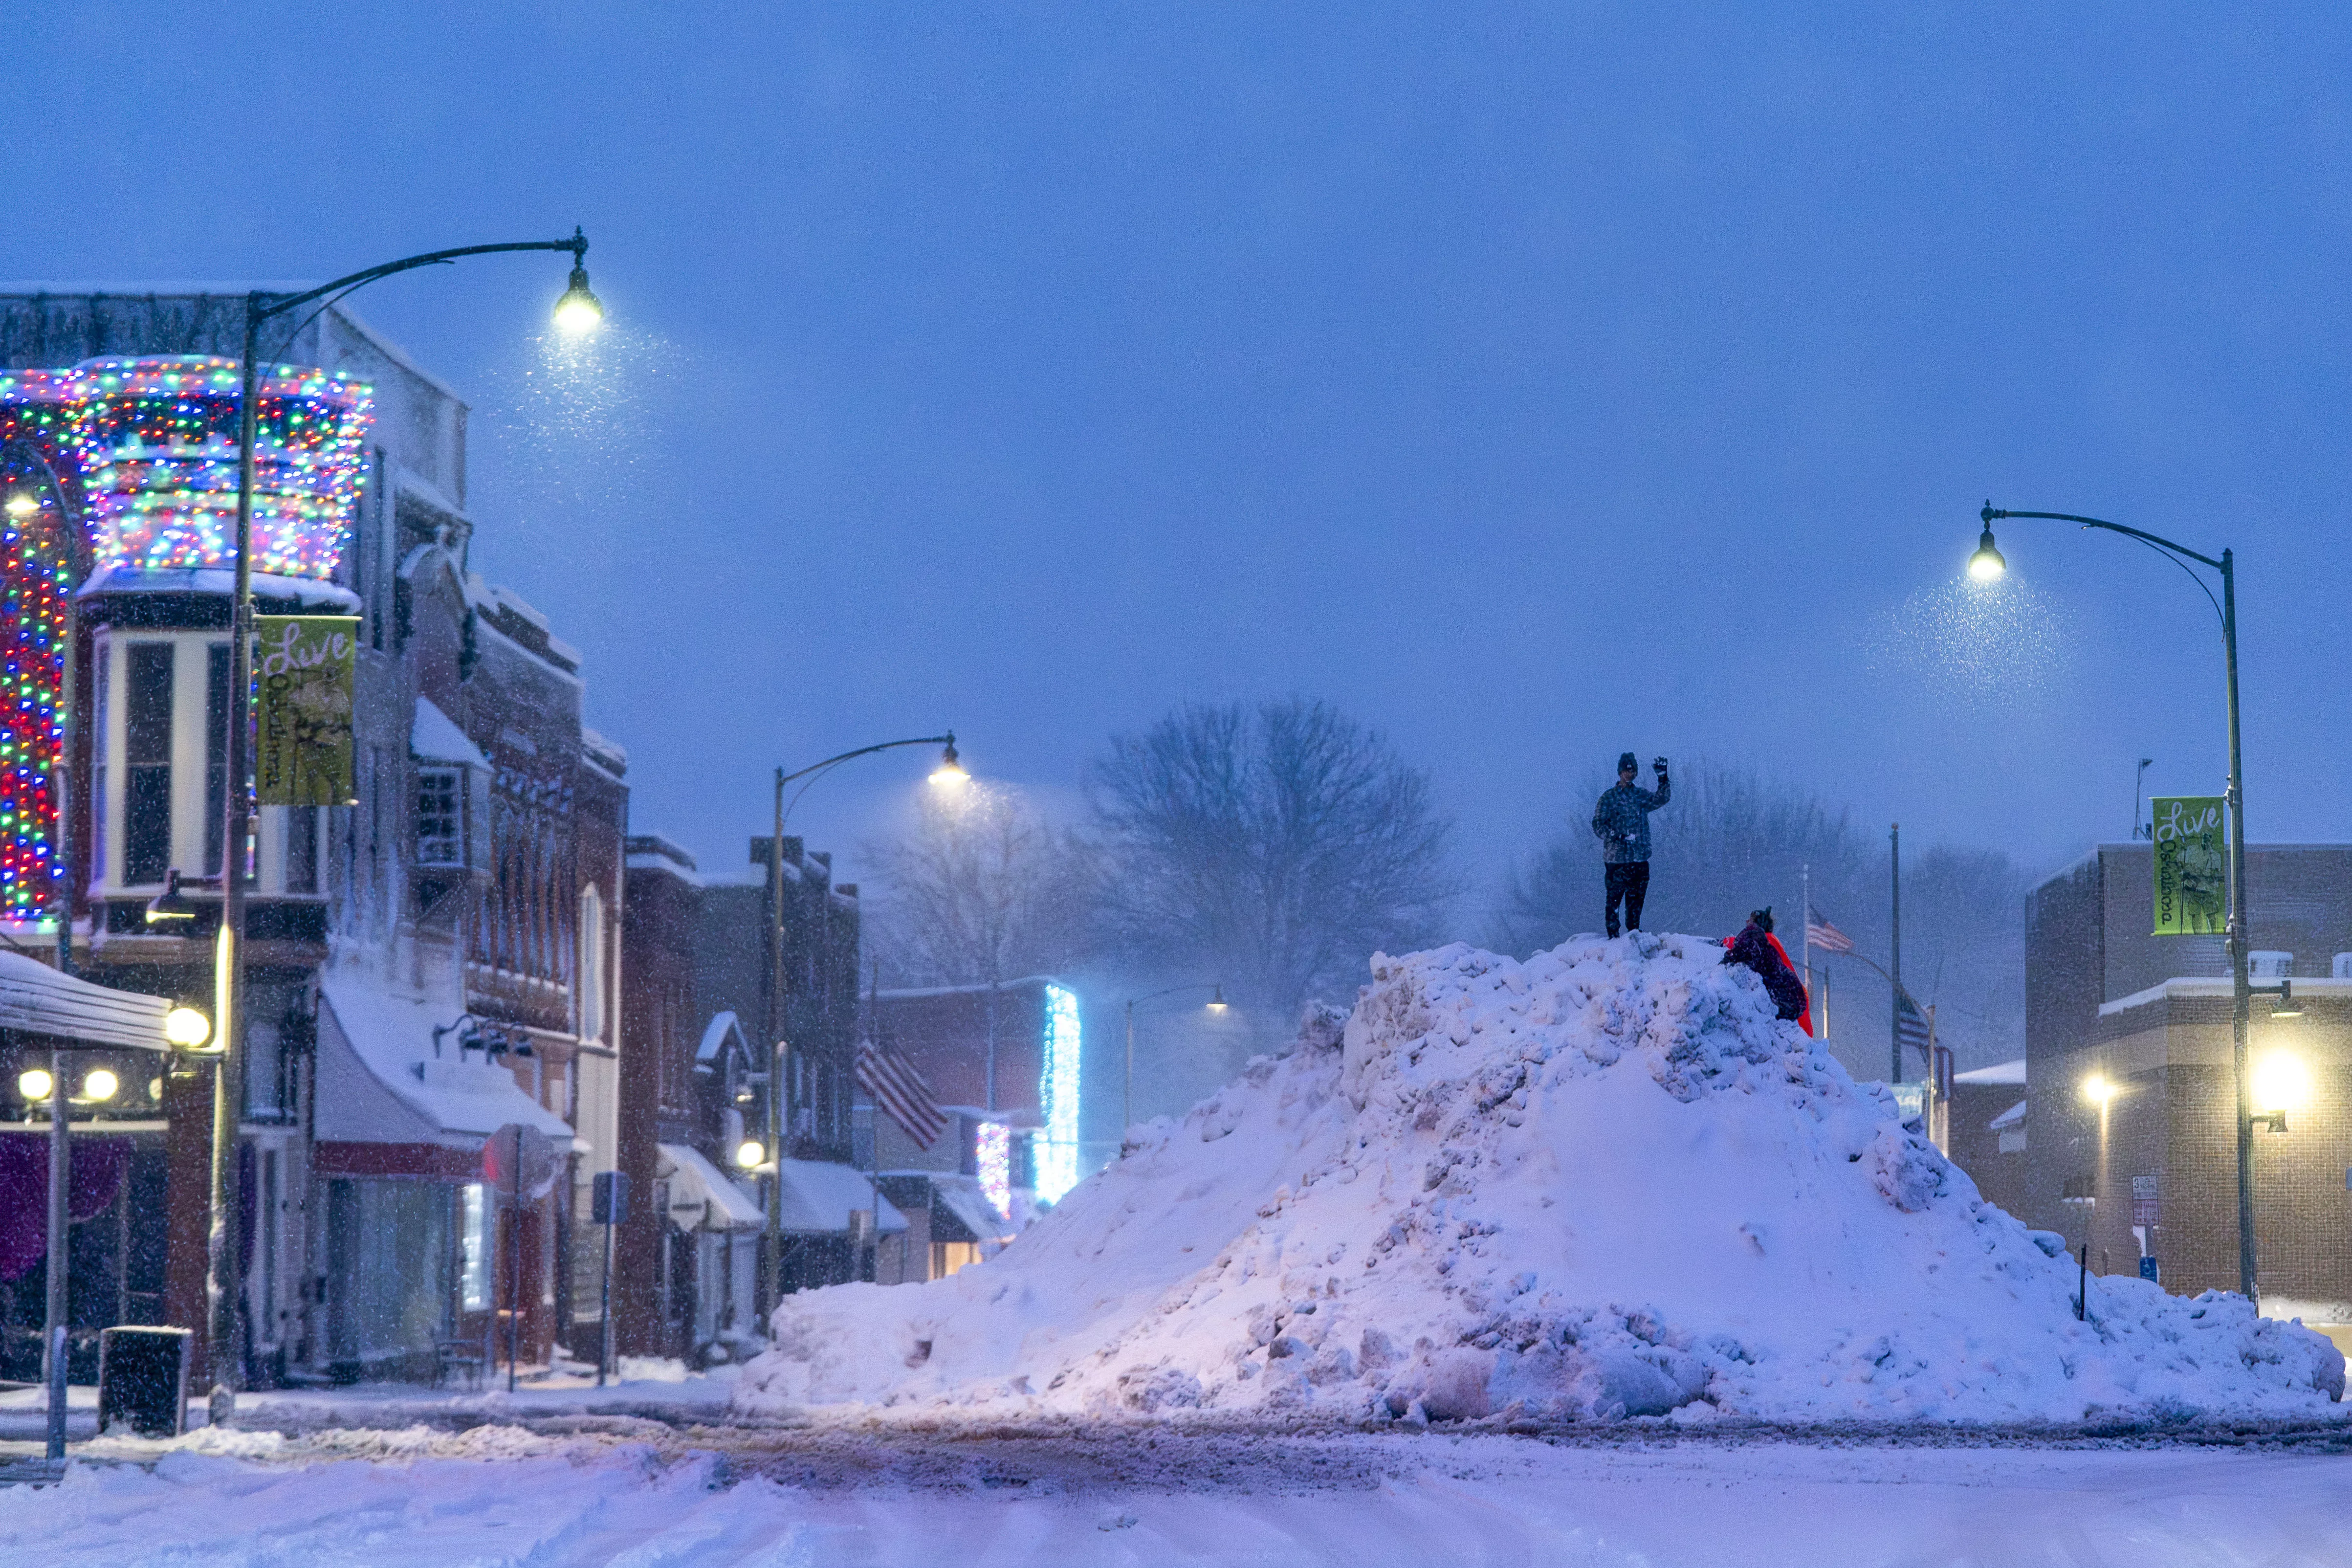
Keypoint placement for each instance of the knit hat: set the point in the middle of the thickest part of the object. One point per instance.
(1626, 764)
(1761, 918)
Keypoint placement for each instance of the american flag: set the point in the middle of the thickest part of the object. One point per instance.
(899, 1090)
(1910, 1024)
(1819, 933)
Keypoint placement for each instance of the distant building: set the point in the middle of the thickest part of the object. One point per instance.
(692, 1269)
(1004, 1061)
(1985, 1123)
(2130, 1124)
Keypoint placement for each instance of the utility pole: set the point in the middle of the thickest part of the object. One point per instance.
(1895, 1016)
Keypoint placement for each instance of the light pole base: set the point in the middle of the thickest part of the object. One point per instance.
(221, 1408)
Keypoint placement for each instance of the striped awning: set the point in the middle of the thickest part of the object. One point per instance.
(37, 1000)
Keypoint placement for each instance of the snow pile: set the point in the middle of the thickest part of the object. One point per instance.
(1603, 1183)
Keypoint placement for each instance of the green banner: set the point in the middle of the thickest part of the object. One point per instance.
(2191, 865)
(303, 669)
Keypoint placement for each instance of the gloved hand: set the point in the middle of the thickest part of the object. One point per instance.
(1661, 766)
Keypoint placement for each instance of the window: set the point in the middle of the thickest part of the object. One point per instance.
(592, 962)
(301, 848)
(474, 1243)
(147, 762)
(215, 754)
(440, 816)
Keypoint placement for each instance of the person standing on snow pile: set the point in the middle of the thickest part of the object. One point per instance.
(1760, 951)
(1621, 822)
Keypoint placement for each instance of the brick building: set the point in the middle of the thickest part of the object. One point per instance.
(426, 966)
(2130, 1092)
(693, 1271)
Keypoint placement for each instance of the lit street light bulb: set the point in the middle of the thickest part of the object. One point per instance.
(99, 1084)
(186, 1028)
(578, 311)
(750, 1153)
(1217, 1003)
(1987, 563)
(22, 504)
(34, 1083)
(950, 774)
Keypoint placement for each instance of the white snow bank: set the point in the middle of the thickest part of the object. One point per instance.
(1603, 1183)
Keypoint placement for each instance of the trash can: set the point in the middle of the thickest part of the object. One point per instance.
(142, 1379)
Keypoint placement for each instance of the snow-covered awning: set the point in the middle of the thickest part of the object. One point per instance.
(2013, 1117)
(700, 1196)
(382, 1080)
(39, 1000)
(435, 737)
(962, 1198)
(818, 1194)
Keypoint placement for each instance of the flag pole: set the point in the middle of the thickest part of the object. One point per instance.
(1805, 931)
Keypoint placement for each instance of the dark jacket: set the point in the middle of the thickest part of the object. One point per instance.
(1622, 820)
(1760, 951)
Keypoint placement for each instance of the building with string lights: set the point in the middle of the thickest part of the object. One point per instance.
(428, 964)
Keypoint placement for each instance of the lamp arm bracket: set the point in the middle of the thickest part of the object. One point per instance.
(577, 244)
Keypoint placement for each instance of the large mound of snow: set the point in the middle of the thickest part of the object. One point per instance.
(1605, 1182)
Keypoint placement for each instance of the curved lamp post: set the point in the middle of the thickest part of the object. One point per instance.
(949, 774)
(1216, 1004)
(576, 310)
(1987, 564)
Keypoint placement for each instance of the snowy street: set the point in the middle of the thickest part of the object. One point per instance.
(619, 1492)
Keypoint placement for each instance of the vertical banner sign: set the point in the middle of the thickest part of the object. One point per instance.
(302, 674)
(2191, 865)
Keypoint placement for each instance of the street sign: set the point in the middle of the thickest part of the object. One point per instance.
(608, 1198)
(520, 1163)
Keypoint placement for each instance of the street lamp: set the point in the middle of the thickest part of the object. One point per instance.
(1987, 564)
(1216, 1004)
(576, 310)
(949, 774)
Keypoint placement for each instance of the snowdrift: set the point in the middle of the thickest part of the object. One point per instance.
(1602, 1184)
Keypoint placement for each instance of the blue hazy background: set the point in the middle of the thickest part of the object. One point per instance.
(1532, 380)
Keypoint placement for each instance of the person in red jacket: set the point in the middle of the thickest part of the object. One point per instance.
(1760, 951)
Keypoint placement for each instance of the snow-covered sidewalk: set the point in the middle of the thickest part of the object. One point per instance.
(1360, 1501)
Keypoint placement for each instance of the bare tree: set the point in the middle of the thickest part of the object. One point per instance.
(984, 889)
(1274, 848)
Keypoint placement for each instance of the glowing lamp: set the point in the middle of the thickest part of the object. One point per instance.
(750, 1153)
(22, 504)
(186, 1028)
(578, 311)
(2282, 1083)
(171, 904)
(950, 774)
(1987, 564)
(2097, 1089)
(34, 1083)
(99, 1085)
(1217, 1003)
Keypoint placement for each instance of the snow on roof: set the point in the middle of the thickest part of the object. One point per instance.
(702, 1197)
(610, 756)
(2006, 1072)
(818, 1194)
(2214, 985)
(916, 992)
(39, 1000)
(435, 737)
(2013, 1117)
(308, 592)
(455, 1093)
(714, 1036)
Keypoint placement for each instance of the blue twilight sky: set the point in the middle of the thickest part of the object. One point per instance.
(1533, 381)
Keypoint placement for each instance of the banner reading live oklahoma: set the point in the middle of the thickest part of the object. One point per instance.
(2191, 865)
(303, 667)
